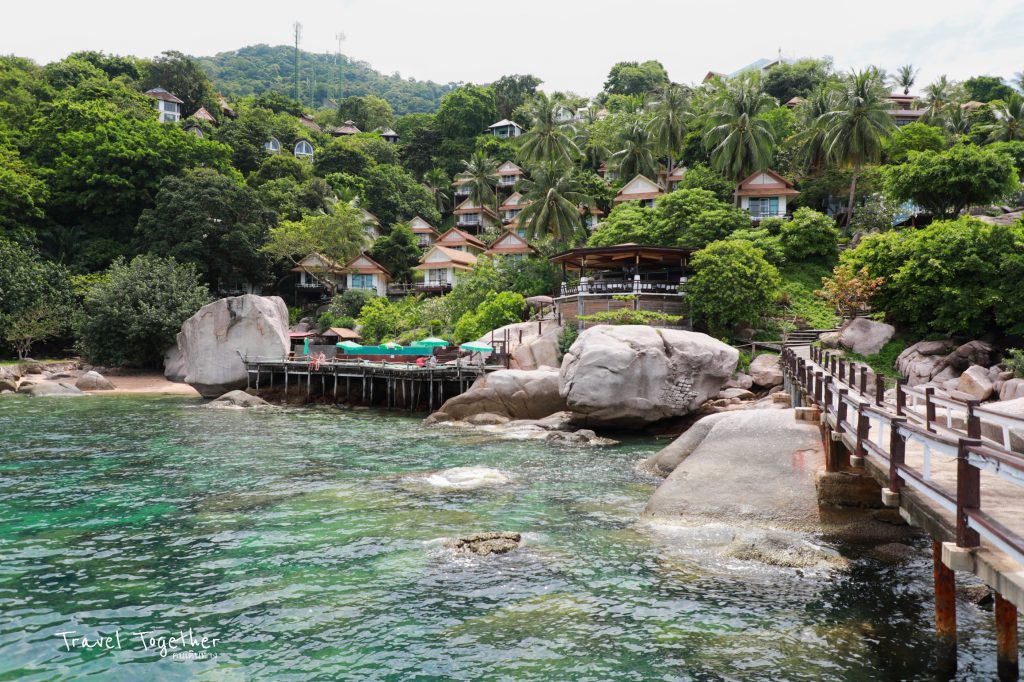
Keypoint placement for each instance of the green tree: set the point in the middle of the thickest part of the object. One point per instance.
(374, 146)
(380, 319)
(22, 196)
(420, 149)
(913, 137)
(703, 177)
(635, 155)
(856, 128)
(669, 124)
(70, 72)
(247, 135)
(510, 92)
(212, 222)
(905, 78)
(1008, 123)
(481, 175)
(466, 112)
(277, 166)
(739, 141)
(786, 80)
(339, 236)
(633, 78)
(810, 236)
(1015, 150)
(178, 73)
(369, 112)
(439, 185)
(811, 137)
(987, 88)
(548, 140)
(629, 222)
(392, 194)
(693, 218)
(497, 310)
(398, 251)
(26, 327)
(554, 197)
(342, 156)
(946, 182)
(732, 284)
(35, 296)
(131, 317)
(113, 66)
(940, 98)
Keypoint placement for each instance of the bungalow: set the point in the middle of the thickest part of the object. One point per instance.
(424, 231)
(764, 194)
(442, 267)
(337, 334)
(167, 105)
(511, 245)
(304, 150)
(459, 190)
(318, 274)
(457, 240)
(512, 206)
(388, 134)
(347, 128)
(794, 102)
(564, 114)
(591, 216)
(307, 120)
(371, 225)
(673, 179)
(225, 108)
(505, 128)
(195, 129)
(204, 115)
(904, 109)
(641, 189)
(509, 174)
(470, 215)
(609, 173)
(362, 272)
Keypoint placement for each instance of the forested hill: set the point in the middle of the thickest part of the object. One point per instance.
(259, 68)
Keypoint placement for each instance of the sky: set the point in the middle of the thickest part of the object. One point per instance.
(569, 44)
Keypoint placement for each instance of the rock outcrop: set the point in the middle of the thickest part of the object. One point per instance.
(766, 370)
(49, 389)
(512, 393)
(93, 381)
(532, 344)
(175, 368)
(633, 375)
(237, 399)
(485, 544)
(975, 382)
(922, 361)
(213, 341)
(865, 336)
(1011, 389)
(669, 457)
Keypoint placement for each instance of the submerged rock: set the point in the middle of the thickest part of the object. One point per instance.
(511, 393)
(633, 375)
(787, 551)
(49, 390)
(237, 399)
(893, 553)
(485, 544)
(464, 478)
(487, 419)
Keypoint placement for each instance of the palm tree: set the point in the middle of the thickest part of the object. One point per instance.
(1009, 120)
(439, 184)
(811, 138)
(857, 126)
(593, 149)
(548, 139)
(958, 121)
(637, 154)
(905, 77)
(554, 198)
(938, 97)
(481, 173)
(739, 141)
(668, 126)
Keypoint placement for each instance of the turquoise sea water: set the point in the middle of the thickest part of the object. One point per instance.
(291, 537)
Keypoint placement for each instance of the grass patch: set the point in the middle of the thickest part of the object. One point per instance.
(799, 282)
(882, 363)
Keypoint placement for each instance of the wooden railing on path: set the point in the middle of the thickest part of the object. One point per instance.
(978, 439)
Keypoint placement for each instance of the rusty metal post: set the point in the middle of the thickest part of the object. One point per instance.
(842, 371)
(863, 431)
(879, 389)
(841, 407)
(897, 453)
(945, 609)
(863, 380)
(901, 398)
(1007, 663)
(929, 407)
(968, 495)
(817, 387)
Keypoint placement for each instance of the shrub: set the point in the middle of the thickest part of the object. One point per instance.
(627, 222)
(694, 218)
(497, 310)
(849, 292)
(703, 177)
(1014, 362)
(328, 319)
(771, 246)
(810, 235)
(349, 303)
(732, 283)
(132, 317)
(772, 225)
(380, 319)
(570, 332)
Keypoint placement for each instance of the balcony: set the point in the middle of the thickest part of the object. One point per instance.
(624, 287)
(759, 215)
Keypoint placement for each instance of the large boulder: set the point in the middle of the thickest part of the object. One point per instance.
(48, 389)
(865, 336)
(213, 341)
(922, 361)
(175, 367)
(975, 382)
(238, 399)
(632, 375)
(512, 393)
(1011, 389)
(93, 381)
(971, 353)
(766, 370)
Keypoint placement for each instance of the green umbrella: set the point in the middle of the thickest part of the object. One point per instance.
(432, 341)
(305, 346)
(348, 345)
(477, 347)
(390, 345)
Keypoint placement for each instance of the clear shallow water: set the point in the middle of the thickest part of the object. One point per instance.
(291, 537)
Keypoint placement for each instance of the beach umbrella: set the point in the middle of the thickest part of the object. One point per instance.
(305, 346)
(477, 347)
(390, 345)
(348, 345)
(432, 341)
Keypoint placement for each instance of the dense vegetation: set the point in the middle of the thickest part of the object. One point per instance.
(95, 192)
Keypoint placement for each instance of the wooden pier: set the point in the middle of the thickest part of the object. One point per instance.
(385, 384)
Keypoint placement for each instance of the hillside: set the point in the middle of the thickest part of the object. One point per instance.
(258, 68)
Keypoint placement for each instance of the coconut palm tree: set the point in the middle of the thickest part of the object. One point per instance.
(857, 126)
(592, 148)
(481, 174)
(439, 184)
(548, 139)
(958, 122)
(668, 126)
(738, 140)
(554, 198)
(938, 97)
(636, 157)
(811, 135)
(1009, 120)
(905, 78)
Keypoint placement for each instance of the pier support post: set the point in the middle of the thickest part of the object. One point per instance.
(1007, 664)
(836, 456)
(945, 611)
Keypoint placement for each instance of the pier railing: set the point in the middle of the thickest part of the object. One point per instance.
(939, 429)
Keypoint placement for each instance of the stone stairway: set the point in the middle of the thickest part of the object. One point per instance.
(804, 337)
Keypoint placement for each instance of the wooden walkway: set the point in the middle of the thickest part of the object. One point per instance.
(954, 468)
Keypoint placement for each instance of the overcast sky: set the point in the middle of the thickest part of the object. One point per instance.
(569, 44)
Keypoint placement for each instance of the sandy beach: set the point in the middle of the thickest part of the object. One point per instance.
(146, 382)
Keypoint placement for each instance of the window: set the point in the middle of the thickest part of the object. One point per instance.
(471, 219)
(508, 179)
(273, 145)
(764, 206)
(437, 276)
(303, 149)
(363, 282)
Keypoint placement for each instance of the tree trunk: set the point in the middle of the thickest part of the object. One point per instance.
(849, 204)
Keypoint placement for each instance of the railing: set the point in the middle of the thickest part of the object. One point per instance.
(979, 439)
(758, 215)
(620, 287)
